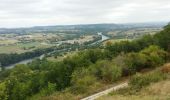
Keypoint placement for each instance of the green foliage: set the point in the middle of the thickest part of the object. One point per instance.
(135, 62)
(22, 82)
(81, 80)
(60, 74)
(106, 70)
(139, 81)
(7, 59)
(4, 74)
(81, 72)
(51, 87)
(163, 38)
(3, 92)
(156, 55)
(123, 46)
(150, 57)
(131, 46)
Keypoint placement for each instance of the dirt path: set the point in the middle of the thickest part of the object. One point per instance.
(105, 92)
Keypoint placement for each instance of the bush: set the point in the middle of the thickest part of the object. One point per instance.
(135, 62)
(3, 92)
(49, 89)
(106, 70)
(150, 57)
(156, 55)
(139, 81)
(81, 80)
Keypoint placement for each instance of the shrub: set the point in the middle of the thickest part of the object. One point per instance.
(81, 80)
(135, 62)
(150, 57)
(139, 81)
(156, 55)
(49, 89)
(3, 92)
(106, 70)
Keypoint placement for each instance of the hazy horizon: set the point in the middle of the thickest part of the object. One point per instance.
(32, 26)
(29, 13)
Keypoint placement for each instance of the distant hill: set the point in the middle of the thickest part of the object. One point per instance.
(80, 28)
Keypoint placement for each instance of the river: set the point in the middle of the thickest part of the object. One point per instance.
(40, 57)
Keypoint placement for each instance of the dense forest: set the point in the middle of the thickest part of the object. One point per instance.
(87, 70)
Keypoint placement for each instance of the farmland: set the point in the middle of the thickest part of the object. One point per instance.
(11, 43)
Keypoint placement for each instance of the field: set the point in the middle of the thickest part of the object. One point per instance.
(22, 47)
(24, 42)
(129, 34)
(62, 56)
(8, 42)
(115, 40)
(19, 43)
(132, 33)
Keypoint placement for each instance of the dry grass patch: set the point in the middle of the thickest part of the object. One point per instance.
(166, 68)
(162, 88)
(155, 91)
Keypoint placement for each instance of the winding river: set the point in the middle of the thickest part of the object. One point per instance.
(40, 57)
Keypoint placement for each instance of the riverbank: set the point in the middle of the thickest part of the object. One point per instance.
(104, 38)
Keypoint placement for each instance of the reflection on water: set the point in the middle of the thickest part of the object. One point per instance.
(21, 62)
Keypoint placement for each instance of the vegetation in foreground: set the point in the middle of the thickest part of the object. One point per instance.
(150, 86)
(87, 72)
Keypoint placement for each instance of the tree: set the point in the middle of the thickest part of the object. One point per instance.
(163, 38)
(106, 70)
(156, 55)
(134, 62)
(81, 80)
(3, 92)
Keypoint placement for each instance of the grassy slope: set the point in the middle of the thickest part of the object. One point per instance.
(155, 91)
(151, 92)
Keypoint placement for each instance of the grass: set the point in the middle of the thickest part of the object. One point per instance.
(8, 41)
(10, 49)
(19, 48)
(115, 40)
(157, 90)
(60, 58)
(137, 30)
(154, 91)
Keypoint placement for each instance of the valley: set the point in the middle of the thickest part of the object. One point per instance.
(79, 66)
(84, 50)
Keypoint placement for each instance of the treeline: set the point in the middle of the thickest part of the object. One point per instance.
(7, 59)
(86, 71)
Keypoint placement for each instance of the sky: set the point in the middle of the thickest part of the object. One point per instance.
(27, 13)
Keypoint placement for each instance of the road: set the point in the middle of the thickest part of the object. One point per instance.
(105, 92)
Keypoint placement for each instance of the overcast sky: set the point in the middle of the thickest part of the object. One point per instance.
(25, 13)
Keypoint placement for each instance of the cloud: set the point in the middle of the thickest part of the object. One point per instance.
(23, 13)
